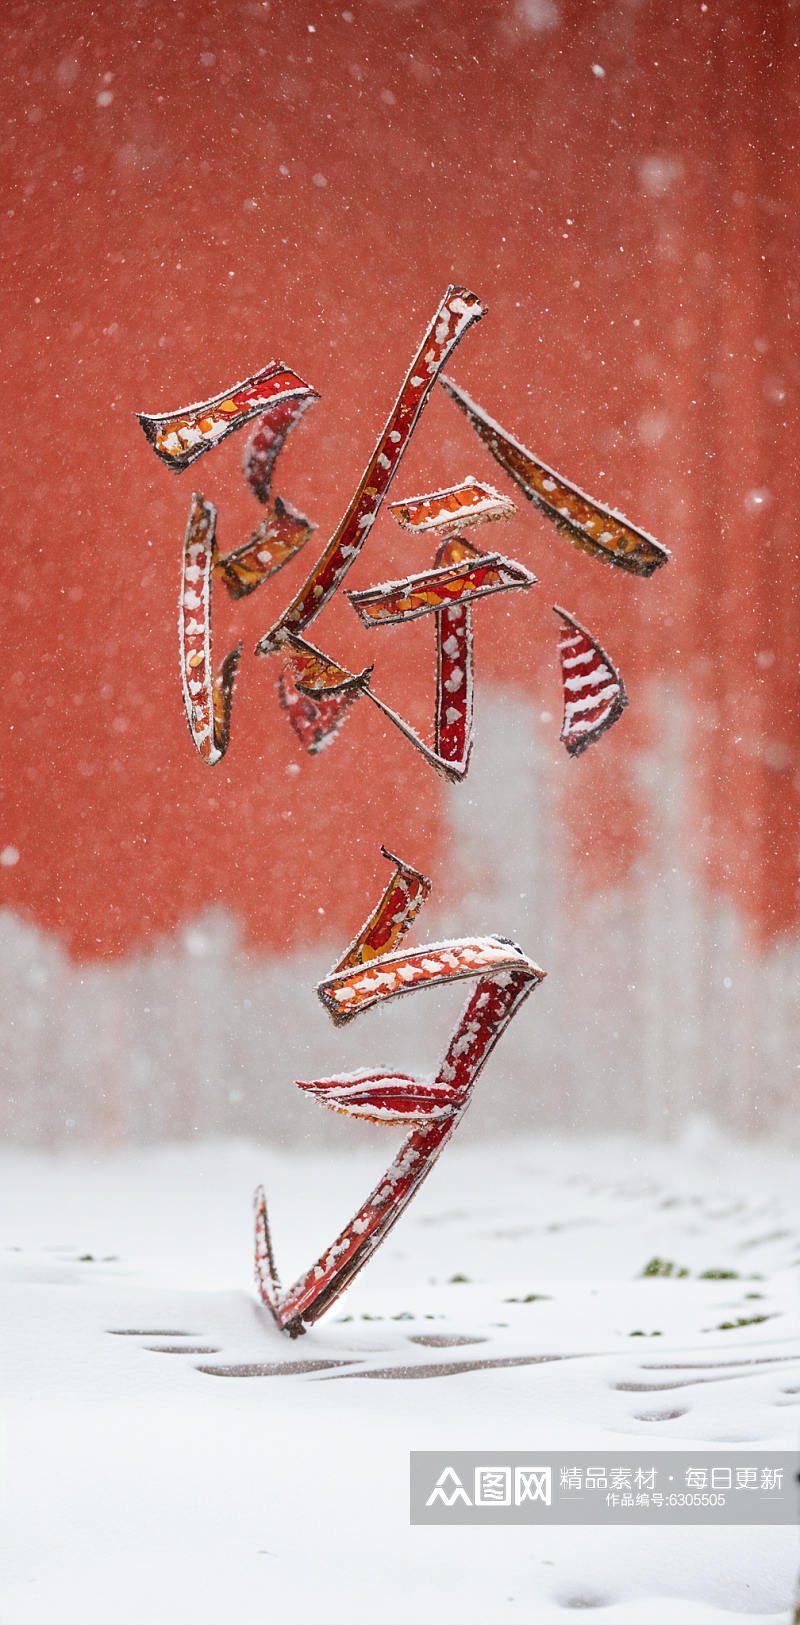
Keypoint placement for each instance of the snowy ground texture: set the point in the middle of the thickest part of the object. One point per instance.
(138, 1485)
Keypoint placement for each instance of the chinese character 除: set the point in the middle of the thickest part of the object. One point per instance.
(571, 1478)
(696, 1478)
(532, 1484)
(620, 1477)
(746, 1478)
(492, 1486)
(645, 1478)
(596, 1478)
(771, 1478)
(720, 1478)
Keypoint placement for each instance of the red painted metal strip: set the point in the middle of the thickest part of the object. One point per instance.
(455, 315)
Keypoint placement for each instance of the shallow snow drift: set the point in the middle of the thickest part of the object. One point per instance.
(171, 1457)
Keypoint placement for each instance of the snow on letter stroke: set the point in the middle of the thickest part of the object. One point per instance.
(372, 971)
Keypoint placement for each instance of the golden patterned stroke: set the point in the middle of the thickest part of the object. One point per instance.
(444, 511)
(593, 529)
(346, 993)
(397, 910)
(316, 674)
(279, 537)
(462, 581)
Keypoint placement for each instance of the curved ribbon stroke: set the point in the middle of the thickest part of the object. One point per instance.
(179, 438)
(406, 893)
(280, 536)
(470, 574)
(445, 512)
(431, 1107)
(452, 746)
(267, 439)
(207, 698)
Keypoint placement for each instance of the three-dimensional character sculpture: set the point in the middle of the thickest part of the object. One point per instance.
(316, 692)
(374, 970)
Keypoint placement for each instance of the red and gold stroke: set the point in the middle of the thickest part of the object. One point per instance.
(346, 993)
(316, 694)
(316, 674)
(476, 575)
(462, 573)
(455, 315)
(504, 977)
(452, 509)
(207, 699)
(279, 537)
(594, 693)
(179, 438)
(454, 769)
(592, 528)
(404, 896)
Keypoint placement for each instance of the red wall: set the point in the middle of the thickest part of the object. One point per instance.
(633, 237)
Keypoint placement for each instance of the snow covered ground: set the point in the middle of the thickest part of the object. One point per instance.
(139, 1484)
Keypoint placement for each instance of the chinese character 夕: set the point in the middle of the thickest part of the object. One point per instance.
(620, 1477)
(596, 1478)
(532, 1484)
(492, 1486)
(746, 1478)
(720, 1478)
(771, 1478)
(696, 1478)
(431, 1108)
(645, 1478)
(571, 1478)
